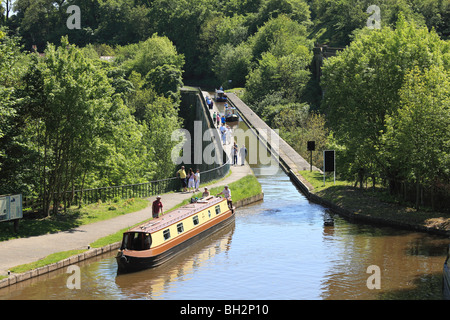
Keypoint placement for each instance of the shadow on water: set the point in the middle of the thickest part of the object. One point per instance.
(422, 288)
(154, 283)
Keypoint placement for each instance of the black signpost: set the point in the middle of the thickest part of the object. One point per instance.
(329, 164)
(311, 146)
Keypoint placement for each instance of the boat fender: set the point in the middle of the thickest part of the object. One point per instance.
(123, 259)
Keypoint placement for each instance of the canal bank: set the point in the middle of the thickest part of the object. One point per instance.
(27, 250)
(278, 249)
(292, 163)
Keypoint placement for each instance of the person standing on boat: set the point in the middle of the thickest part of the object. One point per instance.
(157, 207)
(206, 193)
(214, 117)
(227, 194)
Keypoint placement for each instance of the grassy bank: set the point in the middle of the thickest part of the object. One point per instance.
(74, 217)
(375, 203)
(244, 188)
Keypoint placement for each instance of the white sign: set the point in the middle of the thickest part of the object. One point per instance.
(11, 207)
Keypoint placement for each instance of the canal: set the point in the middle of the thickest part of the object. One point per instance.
(276, 249)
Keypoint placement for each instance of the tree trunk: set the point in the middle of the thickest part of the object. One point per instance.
(417, 194)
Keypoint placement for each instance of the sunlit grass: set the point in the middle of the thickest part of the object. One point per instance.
(73, 218)
(52, 258)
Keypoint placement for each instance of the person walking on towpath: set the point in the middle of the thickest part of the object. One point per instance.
(235, 152)
(197, 179)
(157, 207)
(223, 132)
(182, 175)
(191, 182)
(243, 153)
(227, 194)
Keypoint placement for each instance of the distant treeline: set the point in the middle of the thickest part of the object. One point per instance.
(71, 121)
(382, 103)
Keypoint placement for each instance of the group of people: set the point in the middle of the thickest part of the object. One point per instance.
(226, 134)
(189, 180)
(157, 206)
(218, 119)
(235, 151)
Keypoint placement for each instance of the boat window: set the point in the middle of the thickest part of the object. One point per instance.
(136, 241)
(180, 227)
(125, 241)
(209, 213)
(195, 220)
(166, 234)
(217, 209)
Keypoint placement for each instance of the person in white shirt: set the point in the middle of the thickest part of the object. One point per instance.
(227, 194)
(223, 131)
(197, 179)
(243, 153)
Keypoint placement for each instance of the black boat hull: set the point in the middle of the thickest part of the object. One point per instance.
(128, 264)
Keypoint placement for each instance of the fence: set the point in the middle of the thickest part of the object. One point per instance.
(141, 190)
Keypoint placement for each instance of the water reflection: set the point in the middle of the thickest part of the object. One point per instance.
(154, 283)
(277, 249)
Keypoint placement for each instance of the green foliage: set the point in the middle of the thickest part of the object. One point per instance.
(232, 63)
(364, 88)
(417, 136)
(283, 54)
(69, 120)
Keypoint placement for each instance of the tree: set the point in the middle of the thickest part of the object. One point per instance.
(362, 87)
(147, 55)
(283, 54)
(232, 63)
(417, 136)
(68, 108)
(12, 67)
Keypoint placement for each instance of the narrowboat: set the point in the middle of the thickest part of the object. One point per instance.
(159, 240)
(231, 115)
(220, 95)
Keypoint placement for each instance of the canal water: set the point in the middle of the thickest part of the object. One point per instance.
(277, 249)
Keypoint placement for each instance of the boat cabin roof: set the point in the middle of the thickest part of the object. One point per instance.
(176, 215)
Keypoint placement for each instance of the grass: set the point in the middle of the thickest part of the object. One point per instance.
(375, 203)
(74, 217)
(246, 187)
(316, 179)
(55, 257)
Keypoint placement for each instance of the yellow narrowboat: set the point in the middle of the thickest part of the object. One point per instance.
(157, 241)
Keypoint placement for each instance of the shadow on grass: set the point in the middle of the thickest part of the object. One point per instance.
(371, 203)
(36, 227)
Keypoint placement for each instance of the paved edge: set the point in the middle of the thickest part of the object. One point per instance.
(91, 253)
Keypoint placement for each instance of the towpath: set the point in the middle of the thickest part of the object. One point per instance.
(26, 250)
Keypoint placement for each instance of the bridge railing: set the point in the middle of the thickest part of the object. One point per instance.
(141, 190)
